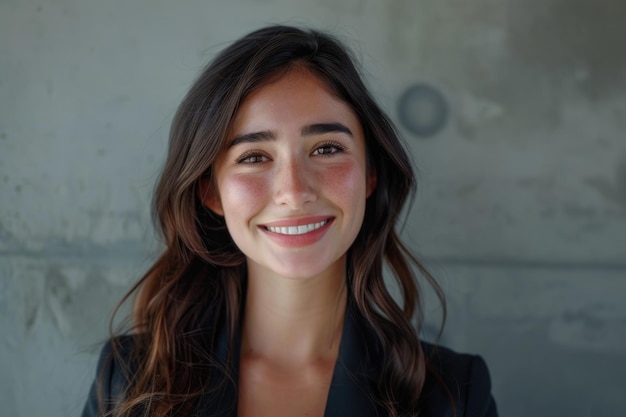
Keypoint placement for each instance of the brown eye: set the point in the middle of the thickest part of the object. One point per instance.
(252, 158)
(328, 149)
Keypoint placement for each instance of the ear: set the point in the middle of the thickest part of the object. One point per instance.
(371, 181)
(210, 197)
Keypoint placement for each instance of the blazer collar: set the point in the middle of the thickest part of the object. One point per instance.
(355, 372)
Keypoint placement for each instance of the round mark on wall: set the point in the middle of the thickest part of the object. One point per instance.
(422, 110)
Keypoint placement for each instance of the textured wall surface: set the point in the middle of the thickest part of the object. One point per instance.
(521, 211)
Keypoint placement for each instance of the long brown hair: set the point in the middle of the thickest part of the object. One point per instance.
(198, 282)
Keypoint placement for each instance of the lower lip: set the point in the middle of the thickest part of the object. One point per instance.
(297, 241)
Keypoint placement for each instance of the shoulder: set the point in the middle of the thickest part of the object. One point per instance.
(113, 373)
(461, 377)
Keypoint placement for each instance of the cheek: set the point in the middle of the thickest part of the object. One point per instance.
(239, 193)
(242, 197)
(346, 183)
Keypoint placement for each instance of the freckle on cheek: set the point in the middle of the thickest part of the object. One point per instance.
(342, 178)
(246, 191)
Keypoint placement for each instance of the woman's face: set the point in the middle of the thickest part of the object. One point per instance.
(293, 182)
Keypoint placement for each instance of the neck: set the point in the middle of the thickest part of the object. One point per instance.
(291, 321)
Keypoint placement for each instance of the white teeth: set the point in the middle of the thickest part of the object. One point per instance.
(296, 230)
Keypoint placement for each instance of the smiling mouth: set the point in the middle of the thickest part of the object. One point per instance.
(296, 230)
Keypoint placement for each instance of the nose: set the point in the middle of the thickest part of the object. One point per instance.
(295, 184)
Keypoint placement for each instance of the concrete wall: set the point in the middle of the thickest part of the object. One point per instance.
(522, 206)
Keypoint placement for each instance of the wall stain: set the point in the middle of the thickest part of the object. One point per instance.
(58, 298)
(582, 317)
(31, 317)
(57, 286)
(78, 301)
(612, 191)
(9, 239)
(528, 56)
(467, 190)
(568, 38)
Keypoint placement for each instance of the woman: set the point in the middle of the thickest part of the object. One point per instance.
(282, 186)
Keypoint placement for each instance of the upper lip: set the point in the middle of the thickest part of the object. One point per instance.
(296, 221)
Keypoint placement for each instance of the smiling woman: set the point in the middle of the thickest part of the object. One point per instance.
(297, 162)
(277, 204)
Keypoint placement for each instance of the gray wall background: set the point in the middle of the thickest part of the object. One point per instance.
(521, 212)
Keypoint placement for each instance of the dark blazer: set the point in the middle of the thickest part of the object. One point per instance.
(465, 376)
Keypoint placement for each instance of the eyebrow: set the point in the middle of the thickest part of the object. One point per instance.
(310, 130)
(321, 128)
(263, 136)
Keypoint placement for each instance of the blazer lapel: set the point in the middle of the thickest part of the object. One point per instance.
(220, 397)
(355, 372)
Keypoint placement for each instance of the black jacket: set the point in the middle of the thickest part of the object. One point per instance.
(466, 378)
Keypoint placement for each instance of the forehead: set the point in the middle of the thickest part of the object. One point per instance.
(295, 98)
